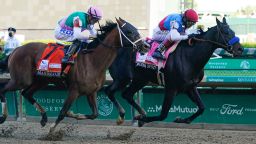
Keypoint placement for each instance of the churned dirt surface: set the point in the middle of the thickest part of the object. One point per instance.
(67, 133)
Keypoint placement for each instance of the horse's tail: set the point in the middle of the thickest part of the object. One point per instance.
(4, 64)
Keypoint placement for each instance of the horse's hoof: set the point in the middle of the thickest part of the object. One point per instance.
(2, 119)
(120, 120)
(43, 123)
(43, 120)
(140, 123)
(139, 117)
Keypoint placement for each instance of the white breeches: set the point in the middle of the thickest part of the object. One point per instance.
(172, 35)
(159, 35)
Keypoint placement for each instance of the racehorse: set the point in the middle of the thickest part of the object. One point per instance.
(86, 76)
(183, 71)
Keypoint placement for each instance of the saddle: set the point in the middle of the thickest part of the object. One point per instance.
(146, 61)
(147, 58)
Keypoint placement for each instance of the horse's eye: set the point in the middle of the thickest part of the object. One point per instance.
(225, 30)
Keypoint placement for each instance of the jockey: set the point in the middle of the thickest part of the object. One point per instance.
(71, 27)
(172, 28)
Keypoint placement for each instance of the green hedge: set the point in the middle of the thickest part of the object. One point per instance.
(44, 41)
(1, 43)
(249, 45)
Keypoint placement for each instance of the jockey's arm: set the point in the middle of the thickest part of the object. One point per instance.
(93, 32)
(77, 29)
(174, 34)
(78, 34)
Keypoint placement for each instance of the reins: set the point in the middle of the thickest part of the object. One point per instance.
(216, 43)
(210, 41)
(227, 44)
(121, 33)
(109, 46)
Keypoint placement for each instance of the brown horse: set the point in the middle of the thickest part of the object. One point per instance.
(86, 76)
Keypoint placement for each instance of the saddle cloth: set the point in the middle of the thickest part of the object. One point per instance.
(147, 58)
(49, 64)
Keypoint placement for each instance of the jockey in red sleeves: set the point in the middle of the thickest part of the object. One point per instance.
(172, 28)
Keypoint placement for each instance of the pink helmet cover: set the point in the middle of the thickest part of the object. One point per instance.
(95, 12)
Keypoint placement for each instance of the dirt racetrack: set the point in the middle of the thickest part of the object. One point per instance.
(67, 133)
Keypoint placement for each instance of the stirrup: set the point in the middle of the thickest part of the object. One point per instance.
(158, 56)
(67, 60)
(85, 51)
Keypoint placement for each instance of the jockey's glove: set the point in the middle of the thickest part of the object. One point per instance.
(200, 31)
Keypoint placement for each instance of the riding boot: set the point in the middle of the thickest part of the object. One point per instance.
(72, 48)
(85, 49)
(161, 47)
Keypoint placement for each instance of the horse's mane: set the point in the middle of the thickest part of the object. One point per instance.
(104, 30)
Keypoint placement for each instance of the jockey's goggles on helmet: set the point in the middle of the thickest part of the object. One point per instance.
(190, 23)
(93, 20)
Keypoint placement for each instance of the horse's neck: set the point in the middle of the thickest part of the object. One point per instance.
(204, 50)
(104, 54)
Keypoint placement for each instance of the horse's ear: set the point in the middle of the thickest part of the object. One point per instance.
(218, 22)
(224, 20)
(118, 22)
(121, 20)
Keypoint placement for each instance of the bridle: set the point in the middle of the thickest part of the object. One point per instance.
(121, 35)
(228, 45)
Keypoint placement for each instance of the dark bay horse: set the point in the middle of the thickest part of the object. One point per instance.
(86, 76)
(183, 71)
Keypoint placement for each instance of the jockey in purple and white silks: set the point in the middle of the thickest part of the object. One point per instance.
(173, 28)
(70, 29)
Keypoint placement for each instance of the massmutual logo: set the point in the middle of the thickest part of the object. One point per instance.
(245, 64)
(105, 106)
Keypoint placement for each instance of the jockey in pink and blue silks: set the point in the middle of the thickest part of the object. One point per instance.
(172, 28)
(71, 27)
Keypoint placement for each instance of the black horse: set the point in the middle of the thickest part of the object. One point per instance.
(183, 71)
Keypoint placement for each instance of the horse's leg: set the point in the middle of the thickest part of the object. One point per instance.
(4, 108)
(168, 99)
(93, 105)
(73, 94)
(195, 97)
(129, 92)
(28, 94)
(110, 92)
(10, 86)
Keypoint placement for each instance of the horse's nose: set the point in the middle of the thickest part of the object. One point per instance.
(240, 50)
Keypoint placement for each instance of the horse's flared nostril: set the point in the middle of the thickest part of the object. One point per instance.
(241, 49)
